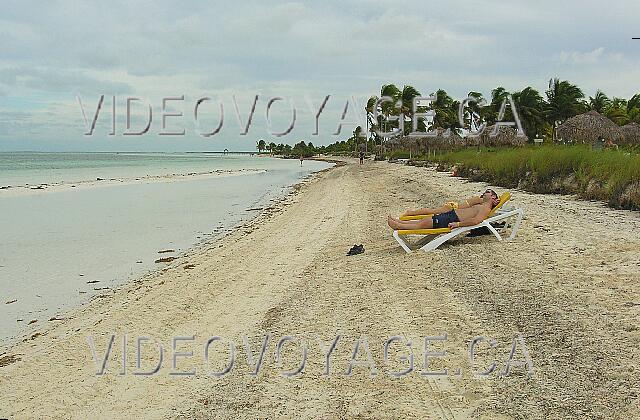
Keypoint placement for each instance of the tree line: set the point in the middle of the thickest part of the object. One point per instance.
(354, 143)
(540, 116)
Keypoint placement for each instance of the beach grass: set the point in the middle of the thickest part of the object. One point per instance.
(609, 175)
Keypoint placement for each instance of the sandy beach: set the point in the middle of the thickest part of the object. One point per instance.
(568, 285)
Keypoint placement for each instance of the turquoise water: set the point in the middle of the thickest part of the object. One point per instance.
(58, 246)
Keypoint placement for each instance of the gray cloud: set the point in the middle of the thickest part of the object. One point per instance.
(63, 81)
(52, 50)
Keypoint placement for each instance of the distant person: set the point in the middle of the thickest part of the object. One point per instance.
(609, 144)
(361, 158)
(452, 214)
(301, 159)
(599, 144)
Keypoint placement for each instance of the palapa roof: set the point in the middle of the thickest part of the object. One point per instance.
(631, 133)
(439, 140)
(393, 141)
(587, 127)
(507, 136)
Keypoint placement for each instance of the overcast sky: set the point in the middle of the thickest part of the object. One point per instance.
(52, 51)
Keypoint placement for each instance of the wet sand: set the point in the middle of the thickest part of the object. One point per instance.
(568, 284)
(19, 190)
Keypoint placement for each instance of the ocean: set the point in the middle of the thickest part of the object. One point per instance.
(61, 245)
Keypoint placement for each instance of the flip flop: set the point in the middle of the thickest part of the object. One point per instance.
(356, 249)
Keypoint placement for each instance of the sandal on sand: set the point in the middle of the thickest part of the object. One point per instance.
(356, 249)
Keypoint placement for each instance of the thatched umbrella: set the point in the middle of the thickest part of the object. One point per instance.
(588, 127)
(459, 142)
(631, 133)
(439, 141)
(507, 136)
(393, 143)
(472, 141)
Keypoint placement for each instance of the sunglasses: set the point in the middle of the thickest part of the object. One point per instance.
(493, 193)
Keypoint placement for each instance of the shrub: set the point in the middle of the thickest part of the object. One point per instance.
(615, 170)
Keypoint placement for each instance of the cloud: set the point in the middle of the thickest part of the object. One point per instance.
(63, 81)
(54, 50)
(591, 57)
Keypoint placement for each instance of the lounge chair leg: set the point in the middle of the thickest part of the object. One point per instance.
(516, 226)
(494, 231)
(402, 243)
(436, 242)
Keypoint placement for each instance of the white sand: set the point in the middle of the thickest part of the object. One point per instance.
(568, 283)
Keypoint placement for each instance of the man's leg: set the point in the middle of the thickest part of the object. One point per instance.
(426, 223)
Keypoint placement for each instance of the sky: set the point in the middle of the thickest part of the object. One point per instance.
(53, 52)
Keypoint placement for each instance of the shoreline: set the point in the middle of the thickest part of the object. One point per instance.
(21, 190)
(254, 210)
(286, 273)
(275, 205)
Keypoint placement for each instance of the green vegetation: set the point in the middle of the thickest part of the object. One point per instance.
(352, 145)
(300, 148)
(398, 154)
(539, 116)
(609, 175)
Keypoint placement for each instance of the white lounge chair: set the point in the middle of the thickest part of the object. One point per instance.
(498, 214)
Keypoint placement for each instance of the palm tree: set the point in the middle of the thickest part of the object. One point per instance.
(446, 111)
(618, 115)
(619, 103)
(634, 102)
(498, 96)
(475, 113)
(409, 93)
(390, 90)
(633, 108)
(530, 107)
(260, 145)
(371, 122)
(600, 102)
(617, 111)
(389, 107)
(356, 137)
(564, 100)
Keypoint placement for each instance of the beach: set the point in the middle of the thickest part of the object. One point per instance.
(566, 289)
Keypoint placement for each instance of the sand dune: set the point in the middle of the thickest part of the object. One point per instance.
(568, 284)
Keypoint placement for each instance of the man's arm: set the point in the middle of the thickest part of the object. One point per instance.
(470, 202)
(445, 208)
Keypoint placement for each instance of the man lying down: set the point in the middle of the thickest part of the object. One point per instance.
(452, 214)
